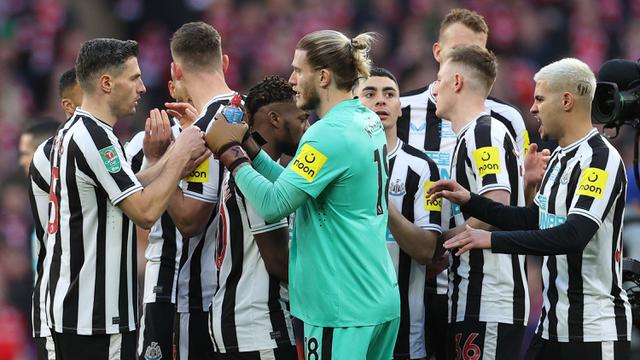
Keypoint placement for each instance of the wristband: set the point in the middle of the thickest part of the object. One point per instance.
(232, 155)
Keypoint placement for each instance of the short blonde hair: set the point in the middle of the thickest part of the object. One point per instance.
(569, 75)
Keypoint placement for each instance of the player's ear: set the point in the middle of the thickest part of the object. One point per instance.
(458, 81)
(436, 49)
(274, 119)
(568, 101)
(176, 70)
(324, 77)
(106, 83)
(67, 105)
(225, 63)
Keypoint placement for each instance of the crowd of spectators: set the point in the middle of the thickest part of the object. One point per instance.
(39, 40)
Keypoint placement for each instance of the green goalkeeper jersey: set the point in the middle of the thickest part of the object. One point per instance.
(341, 274)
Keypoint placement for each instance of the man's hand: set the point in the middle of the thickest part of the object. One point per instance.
(469, 239)
(450, 190)
(157, 135)
(535, 165)
(189, 146)
(185, 113)
(222, 134)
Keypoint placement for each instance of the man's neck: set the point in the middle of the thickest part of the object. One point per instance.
(392, 138)
(330, 98)
(204, 87)
(575, 131)
(466, 112)
(100, 110)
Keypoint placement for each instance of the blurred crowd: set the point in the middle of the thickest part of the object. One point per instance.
(39, 40)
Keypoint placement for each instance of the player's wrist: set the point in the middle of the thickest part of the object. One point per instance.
(232, 155)
(252, 144)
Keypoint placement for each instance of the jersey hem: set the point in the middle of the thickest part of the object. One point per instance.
(196, 196)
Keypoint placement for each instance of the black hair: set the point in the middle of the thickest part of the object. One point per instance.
(41, 129)
(272, 89)
(67, 81)
(98, 55)
(382, 72)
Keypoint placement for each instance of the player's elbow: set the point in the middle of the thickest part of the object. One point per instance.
(190, 228)
(144, 220)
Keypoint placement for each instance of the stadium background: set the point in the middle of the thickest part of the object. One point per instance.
(39, 39)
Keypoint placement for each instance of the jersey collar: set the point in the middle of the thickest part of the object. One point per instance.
(570, 147)
(85, 113)
(430, 92)
(394, 152)
(464, 128)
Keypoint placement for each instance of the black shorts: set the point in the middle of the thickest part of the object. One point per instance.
(156, 331)
(45, 349)
(280, 353)
(484, 340)
(96, 347)
(192, 336)
(541, 349)
(435, 325)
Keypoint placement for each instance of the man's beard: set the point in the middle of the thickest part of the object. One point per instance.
(312, 102)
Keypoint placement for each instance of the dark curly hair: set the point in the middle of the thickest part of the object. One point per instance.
(67, 81)
(97, 56)
(272, 89)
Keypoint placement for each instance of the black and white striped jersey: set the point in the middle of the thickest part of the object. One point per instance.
(197, 272)
(165, 241)
(484, 286)
(411, 172)
(92, 270)
(250, 308)
(39, 175)
(421, 128)
(583, 296)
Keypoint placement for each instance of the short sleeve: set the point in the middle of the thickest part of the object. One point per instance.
(107, 161)
(318, 161)
(258, 225)
(602, 180)
(488, 156)
(427, 212)
(204, 182)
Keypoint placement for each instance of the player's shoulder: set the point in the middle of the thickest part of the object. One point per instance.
(418, 159)
(414, 97)
(500, 108)
(599, 148)
(213, 107)
(135, 144)
(42, 155)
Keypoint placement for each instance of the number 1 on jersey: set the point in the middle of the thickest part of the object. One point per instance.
(382, 163)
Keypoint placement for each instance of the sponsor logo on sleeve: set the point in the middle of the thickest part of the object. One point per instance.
(309, 162)
(200, 174)
(592, 182)
(487, 160)
(110, 159)
(431, 204)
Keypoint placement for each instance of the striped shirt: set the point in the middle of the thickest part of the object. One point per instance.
(164, 241)
(421, 128)
(39, 174)
(250, 308)
(583, 299)
(411, 174)
(197, 272)
(92, 270)
(484, 286)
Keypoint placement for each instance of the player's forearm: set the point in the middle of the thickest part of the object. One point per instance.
(273, 201)
(419, 243)
(155, 197)
(529, 194)
(473, 222)
(189, 215)
(568, 238)
(146, 176)
(268, 168)
(502, 216)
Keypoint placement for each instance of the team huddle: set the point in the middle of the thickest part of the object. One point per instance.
(399, 229)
